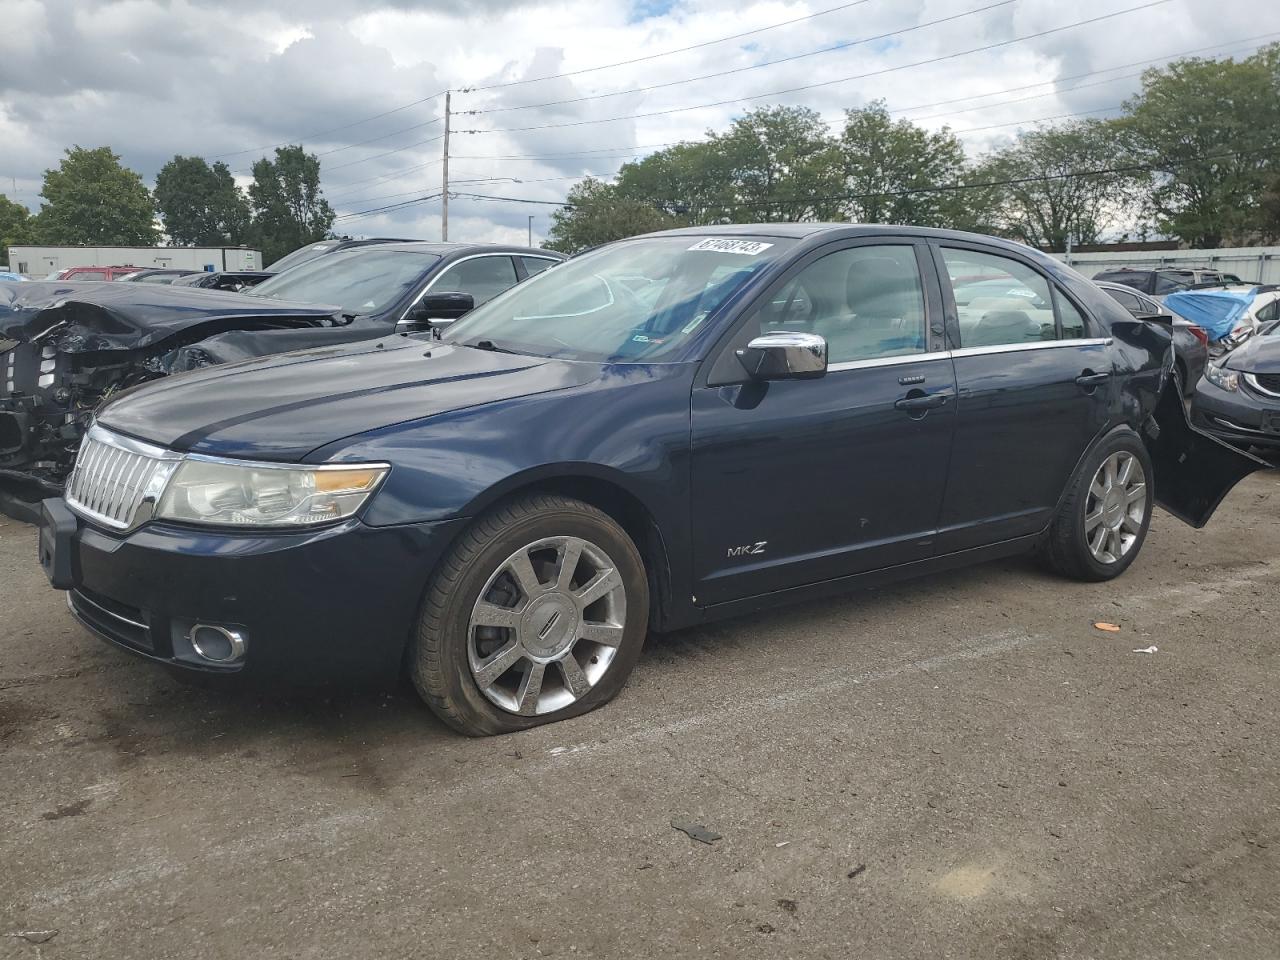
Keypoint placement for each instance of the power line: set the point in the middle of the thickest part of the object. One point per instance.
(388, 208)
(382, 178)
(1078, 76)
(1059, 116)
(626, 150)
(828, 83)
(553, 76)
(1133, 168)
(324, 133)
(754, 66)
(840, 46)
(666, 53)
(361, 143)
(378, 156)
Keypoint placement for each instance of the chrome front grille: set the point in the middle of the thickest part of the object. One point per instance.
(115, 476)
(1267, 383)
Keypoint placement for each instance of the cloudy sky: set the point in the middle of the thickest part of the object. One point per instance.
(356, 83)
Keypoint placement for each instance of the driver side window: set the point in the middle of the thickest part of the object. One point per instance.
(866, 302)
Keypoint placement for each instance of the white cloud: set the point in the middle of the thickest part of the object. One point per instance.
(153, 78)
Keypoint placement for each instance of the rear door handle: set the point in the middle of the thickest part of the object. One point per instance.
(1089, 380)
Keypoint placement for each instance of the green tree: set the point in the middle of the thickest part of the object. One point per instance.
(200, 205)
(596, 213)
(781, 165)
(16, 226)
(1210, 129)
(1044, 203)
(890, 168)
(289, 208)
(774, 163)
(92, 199)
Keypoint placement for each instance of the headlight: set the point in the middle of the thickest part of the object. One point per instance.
(1225, 379)
(264, 494)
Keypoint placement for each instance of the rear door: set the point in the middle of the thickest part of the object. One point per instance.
(1033, 380)
(796, 482)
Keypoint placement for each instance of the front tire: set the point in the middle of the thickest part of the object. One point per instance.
(1101, 525)
(537, 614)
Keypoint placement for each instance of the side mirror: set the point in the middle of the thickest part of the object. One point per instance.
(785, 356)
(437, 307)
(1165, 318)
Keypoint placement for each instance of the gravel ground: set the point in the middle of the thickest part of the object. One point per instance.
(955, 767)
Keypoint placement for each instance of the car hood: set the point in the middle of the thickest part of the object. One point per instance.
(89, 316)
(284, 407)
(1256, 355)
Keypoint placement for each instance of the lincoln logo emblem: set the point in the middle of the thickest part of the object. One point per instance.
(555, 618)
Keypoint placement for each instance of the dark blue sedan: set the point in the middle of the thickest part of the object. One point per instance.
(664, 431)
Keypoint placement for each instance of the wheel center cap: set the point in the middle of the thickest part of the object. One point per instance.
(1113, 506)
(549, 625)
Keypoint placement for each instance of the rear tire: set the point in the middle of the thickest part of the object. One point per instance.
(538, 613)
(1103, 521)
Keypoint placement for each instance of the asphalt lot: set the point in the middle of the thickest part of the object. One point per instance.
(960, 767)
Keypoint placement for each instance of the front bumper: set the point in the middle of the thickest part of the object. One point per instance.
(1239, 417)
(332, 604)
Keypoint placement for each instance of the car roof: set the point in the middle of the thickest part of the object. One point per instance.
(1123, 287)
(819, 232)
(450, 249)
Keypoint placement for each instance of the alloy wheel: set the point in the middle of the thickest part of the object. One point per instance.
(546, 626)
(1115, 507)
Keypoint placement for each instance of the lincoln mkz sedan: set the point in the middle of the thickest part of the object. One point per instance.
(661, 432)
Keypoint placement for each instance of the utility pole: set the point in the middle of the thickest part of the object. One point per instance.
(444, 195)
(531, 229)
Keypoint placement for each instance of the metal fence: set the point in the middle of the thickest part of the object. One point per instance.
(1261, 264)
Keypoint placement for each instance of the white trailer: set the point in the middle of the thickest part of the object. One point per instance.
(40, 261)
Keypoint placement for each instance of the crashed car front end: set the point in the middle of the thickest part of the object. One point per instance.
(65, 348)
(1239, 398)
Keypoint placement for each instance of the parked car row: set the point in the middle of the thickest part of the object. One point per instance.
(1165, 280)
(661, 432)
(65, 347)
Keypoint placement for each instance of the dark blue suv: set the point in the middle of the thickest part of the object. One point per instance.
(663, 431)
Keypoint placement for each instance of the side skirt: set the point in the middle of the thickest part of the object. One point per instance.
(871, 578)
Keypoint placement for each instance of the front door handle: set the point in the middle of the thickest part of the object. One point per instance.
(1089, 381)
(918, 403)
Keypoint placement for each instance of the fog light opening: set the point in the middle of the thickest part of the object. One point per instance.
(216, 644)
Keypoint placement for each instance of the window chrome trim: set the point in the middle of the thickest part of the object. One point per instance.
(1252, 381)
(1042, 345)
(453, 263)
(888, 361)
(967, 352)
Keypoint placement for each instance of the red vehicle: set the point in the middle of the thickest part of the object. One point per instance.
(94, 273)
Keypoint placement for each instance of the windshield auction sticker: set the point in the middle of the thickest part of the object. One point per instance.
(748, 248)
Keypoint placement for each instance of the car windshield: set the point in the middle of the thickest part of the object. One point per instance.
(302, 255)
(638, 300)
(361, 281)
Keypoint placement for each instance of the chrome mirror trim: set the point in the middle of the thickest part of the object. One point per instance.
(784, 355)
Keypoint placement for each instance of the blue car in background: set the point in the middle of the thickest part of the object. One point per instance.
(662, 432)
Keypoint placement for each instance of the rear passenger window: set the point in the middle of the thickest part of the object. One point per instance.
(999, 301)
(867, 302)
(534, 265)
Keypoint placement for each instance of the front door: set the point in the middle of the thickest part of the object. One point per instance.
(797, 482)
(1034, 386)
